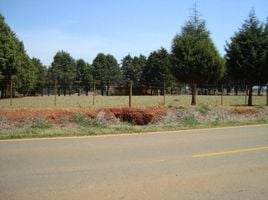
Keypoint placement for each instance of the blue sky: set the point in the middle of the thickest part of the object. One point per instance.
(119, 27)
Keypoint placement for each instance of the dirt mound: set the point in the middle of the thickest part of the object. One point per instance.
(137, 116)
(19, 115)
(246, 110)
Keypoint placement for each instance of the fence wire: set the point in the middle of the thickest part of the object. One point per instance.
(216, 94)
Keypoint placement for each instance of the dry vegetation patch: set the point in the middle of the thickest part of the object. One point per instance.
(102, 121)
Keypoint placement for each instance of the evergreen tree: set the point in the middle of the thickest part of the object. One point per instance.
(15, 64)
(63, 70)
(195, 59)
(132, 68)
(157, 69)
(84, 76)
(42, 76)
(246, 54)
(105, 71)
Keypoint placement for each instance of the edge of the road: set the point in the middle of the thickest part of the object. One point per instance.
(131, 134)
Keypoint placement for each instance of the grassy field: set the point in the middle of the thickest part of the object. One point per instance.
(122, 101)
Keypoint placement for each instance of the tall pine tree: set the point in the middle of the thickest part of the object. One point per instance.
(246, 54)
(195, 58)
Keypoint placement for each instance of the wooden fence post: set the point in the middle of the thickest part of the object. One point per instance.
(222, 95)
(94, 93)
(246, 91)
(266, 95)
(164, 93)
(130, 94)
(11, 91)
(55, 93)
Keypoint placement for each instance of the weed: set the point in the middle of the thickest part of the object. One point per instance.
(41, 124)
(85, 121)
(203, 109)
(259, 106)
(216, 122)
(190, 121)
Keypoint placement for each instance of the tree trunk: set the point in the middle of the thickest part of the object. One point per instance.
(193, 90)
(236, 90)
(86, 89)
(250, 95)
(107, 90)
(2, 92)
(48, 91)
(259, 90)
(266, 95)
(64, 91)
(102, 90)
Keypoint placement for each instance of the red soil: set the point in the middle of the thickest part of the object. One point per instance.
(136, 116)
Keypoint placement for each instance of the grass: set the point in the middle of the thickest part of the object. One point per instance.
(203, 109)
(122, 101)
(87, 126)
(188, 123)
(41, 124)
(84, 121)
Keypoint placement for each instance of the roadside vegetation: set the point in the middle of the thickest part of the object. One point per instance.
(122, 101)
(27, 123)
(31, 104)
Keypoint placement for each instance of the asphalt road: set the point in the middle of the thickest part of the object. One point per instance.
(229, 163)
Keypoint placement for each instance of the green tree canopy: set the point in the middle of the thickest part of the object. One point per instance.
(246, 54)
(63, 70)
(41, 73)
(105, 71)
(132, 68)
(84, 75)
(15, 64)
(195, 58)
(157, 69)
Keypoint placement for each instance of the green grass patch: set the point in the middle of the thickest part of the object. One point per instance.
(190, 121)
(41, 124)
(85, 121)
(88, 126)
(203, 109)
(122, 101)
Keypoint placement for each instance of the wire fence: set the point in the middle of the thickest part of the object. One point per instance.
(126, 94)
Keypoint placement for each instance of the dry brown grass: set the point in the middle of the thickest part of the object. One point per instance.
(122, 101)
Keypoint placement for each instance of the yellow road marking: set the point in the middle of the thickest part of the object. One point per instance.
(204, 155)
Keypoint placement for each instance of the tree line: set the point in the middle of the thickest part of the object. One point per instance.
(193, 60)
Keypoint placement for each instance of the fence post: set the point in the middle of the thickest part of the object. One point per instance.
(130, 94)
(164, 93)
(94, 93)
(246, 91)
(266, 95)
(222, 95)
(11, 91)
(55, 93)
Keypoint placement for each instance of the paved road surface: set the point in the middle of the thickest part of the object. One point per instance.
(213, 164)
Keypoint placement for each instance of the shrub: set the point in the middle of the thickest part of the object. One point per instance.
(203, 109)
(190, 121)
(41, 123)
(83, 120)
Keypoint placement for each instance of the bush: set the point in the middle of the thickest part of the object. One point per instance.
(83, 120)
(190, 121)
(41, 123)
(202, 109)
